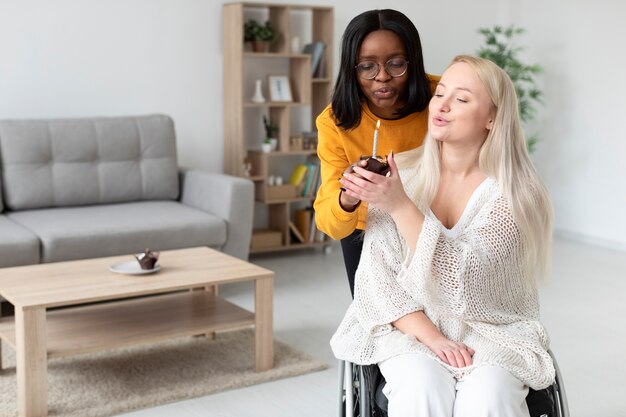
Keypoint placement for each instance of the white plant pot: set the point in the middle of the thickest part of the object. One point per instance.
(274, 143)
(266, 147)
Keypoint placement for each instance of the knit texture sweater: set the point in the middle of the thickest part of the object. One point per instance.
(338, 148)
(469, 280)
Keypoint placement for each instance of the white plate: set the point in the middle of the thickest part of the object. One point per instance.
(132, 268)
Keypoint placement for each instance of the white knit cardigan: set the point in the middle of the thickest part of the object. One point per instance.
(469, 280)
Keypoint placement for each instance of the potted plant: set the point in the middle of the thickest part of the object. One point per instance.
(271, 129)
(259, 35)
(500, 48)
(266, 146)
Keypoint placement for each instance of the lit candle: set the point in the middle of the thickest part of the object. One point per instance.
(375, 139)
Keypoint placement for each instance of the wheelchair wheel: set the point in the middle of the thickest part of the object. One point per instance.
(349, 386)
(358, 399)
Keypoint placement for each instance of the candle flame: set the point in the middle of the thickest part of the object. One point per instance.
(377, 124)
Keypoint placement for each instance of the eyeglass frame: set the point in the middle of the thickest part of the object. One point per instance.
(378, 66)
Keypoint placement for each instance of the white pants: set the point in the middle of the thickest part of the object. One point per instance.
(418, 386)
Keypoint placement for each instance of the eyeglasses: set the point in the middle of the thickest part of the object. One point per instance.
(395, 67)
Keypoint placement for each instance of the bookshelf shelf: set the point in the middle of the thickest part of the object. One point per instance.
(311, 88)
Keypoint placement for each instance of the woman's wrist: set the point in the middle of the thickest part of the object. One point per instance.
(404, 208)
(347, 205)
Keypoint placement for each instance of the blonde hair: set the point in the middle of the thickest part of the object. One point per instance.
(504, 157)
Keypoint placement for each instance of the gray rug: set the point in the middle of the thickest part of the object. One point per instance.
(117, 381)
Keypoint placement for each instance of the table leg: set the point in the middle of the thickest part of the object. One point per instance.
(31, 362)
(211, 289)
(263, 306)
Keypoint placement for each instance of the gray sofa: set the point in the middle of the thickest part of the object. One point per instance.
(94, 187)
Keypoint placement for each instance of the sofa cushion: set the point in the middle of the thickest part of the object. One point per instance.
(117, 229)
(18, 246)
(69, 162)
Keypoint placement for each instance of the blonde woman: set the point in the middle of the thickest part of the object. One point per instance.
(445, 297)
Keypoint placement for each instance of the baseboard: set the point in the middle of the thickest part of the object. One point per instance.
(591, 240)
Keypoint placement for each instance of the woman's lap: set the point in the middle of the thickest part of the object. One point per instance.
(418, 385)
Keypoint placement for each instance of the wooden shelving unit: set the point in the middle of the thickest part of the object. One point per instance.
(243, 131)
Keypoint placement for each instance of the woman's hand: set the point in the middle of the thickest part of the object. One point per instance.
(385, 192)
(423, 329)
(347, 202)
(453, 353)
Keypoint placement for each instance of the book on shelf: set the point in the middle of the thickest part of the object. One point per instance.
(316, 184)
(311, 174)
(296, 232)
(297, 175)
(320, 71)
(313, 228)
(303, 222)
(316, 50)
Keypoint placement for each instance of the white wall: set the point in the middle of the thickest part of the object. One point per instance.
(72, 58)
(582, 155)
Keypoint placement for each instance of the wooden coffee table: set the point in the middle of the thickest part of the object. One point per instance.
(37, 334)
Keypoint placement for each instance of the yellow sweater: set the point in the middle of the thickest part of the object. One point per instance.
(338, 148)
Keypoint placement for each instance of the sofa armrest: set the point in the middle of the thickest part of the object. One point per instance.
(228, 197)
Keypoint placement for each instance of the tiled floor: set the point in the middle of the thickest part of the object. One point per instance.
(583, 307)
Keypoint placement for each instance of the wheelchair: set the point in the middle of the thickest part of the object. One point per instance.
(361, 393)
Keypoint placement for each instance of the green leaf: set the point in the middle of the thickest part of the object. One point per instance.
(500, 47)
(531, 143)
